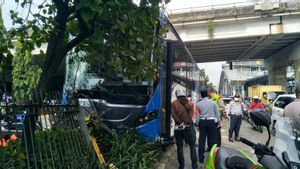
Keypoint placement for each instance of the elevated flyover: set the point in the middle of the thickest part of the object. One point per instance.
(238, 31)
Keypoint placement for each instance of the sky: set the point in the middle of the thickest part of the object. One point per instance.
(213, 70)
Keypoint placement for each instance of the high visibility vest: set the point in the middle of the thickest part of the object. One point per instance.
(216, 98)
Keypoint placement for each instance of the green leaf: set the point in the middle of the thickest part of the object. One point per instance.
(138, 39)
(97, 8)
(132, 46)
(83, 4)
(86, 15)
(133, 58)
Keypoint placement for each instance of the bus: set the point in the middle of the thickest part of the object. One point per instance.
(145, 107)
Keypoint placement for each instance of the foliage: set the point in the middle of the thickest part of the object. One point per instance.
(12, 156)
(118, 34)
(207, 84)
(210, 28)
(5, 55)
(25, 72)
(125, 149)
(130, 151)
(55, 148)
(61, 148)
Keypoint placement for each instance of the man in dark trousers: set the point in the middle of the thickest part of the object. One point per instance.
(208, 122)
(235, 111)
(182, 112)
(212, 94)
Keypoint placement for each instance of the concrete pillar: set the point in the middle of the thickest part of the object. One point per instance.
(277, 76)
(297, 72)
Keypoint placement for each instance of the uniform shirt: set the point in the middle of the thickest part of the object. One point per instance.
(179, 112)
(292, 110)
(235, 108)
(208, 109)
(265, 101)
(219, 100)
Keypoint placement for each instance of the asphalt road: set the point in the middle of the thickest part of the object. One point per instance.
(246, 131)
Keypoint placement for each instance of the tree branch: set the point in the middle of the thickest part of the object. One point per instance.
(79, 38)
(71, 17)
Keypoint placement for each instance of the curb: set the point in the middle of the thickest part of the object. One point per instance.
(168, 155)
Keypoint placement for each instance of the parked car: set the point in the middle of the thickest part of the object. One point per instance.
(279, 105)
(272, 95)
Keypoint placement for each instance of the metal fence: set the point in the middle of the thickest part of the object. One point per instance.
(49, 135)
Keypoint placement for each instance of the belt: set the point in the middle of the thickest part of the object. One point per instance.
(208, 118)
(182, 127)
(236, 115)
(186, 125)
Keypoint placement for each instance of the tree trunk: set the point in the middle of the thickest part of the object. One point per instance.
(54, 54)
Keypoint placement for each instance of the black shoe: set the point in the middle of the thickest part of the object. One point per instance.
(230, 139)
(237, 139)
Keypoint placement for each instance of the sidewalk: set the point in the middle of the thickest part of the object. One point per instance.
(246, 131)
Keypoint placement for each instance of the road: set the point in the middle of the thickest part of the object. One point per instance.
(246, 131)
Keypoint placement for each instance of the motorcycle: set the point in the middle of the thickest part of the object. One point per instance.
(255, 126)
(284, 155)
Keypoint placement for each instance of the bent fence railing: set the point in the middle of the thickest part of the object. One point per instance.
(49, 135)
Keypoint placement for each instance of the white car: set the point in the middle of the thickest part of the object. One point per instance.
(278, 106)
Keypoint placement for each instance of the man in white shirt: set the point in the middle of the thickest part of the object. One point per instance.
(235, 111)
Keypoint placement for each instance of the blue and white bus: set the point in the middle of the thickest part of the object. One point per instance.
(145, 106)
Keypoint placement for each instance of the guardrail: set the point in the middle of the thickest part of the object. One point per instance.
(210, 7)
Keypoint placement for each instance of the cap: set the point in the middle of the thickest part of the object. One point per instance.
(180, 93)
(255, 97)
(237, 95)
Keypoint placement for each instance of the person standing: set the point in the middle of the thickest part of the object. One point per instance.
(235, 111)
(212, 93)
(266, 103)
(292, 109)
(182, 111)
(208, 122)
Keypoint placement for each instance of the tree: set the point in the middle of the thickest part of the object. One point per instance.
(119, 33)
(25, 73)
(5, 55)
(207, 84)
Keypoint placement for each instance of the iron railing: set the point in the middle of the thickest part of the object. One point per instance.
(49, 134)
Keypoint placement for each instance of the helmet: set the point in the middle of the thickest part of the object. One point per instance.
(180, 93)
(237, 95)
(255, 97)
